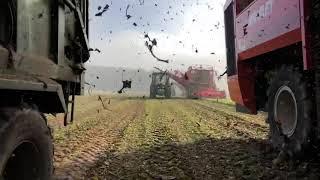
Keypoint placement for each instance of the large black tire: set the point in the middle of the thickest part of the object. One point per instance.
(299, 140)
(26, 149)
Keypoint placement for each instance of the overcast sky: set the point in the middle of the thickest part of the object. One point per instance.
(181, 27)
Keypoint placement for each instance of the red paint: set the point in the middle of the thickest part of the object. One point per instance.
(234, 89)
(262, 27)
(253, 28)
(242, 92)
(201, 79)
(284, 40)
(210, 93)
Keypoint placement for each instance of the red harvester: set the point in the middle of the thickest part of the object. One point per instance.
(198, 82)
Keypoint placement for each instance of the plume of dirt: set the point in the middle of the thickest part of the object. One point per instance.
(127, 15)
(106, 7)
(125, 84)
(150, 44)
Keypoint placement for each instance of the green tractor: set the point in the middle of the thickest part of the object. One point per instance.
(160, 85)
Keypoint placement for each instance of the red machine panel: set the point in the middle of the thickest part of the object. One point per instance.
(266, 25)
(198, 81)
(260, 27)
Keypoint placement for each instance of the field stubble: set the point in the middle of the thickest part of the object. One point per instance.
(168, 139)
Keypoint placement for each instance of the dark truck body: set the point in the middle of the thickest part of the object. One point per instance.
(258, 30)
(43, 48)
(44, 45)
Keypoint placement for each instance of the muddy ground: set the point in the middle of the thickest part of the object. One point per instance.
(137, 138)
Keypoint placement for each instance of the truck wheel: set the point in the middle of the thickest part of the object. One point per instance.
(26, 150)
(290, 111)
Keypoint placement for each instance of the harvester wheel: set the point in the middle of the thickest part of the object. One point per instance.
(26, 150)
(290, 111)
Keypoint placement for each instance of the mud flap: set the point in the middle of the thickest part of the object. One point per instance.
(242, 109)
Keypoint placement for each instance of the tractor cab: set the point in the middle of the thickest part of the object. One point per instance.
(160, 85)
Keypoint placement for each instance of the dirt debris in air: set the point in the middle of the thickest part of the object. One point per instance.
(175, 10)
(105, 9)
(126, 84)
(170, 139)
(127, 15)
(96, 49)
(150, 44)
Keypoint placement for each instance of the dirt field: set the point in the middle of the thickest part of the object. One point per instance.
(136, 138)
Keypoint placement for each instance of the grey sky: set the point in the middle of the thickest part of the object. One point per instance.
(180, 27)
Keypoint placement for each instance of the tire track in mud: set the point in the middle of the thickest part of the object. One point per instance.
(66, 138)
(228, 114)
(160, 160)
(217, 124)
(184, 123)
(161, 155)
(259, 120)
(214, 139)
(72, 160)
(85, 106)
(222, 149)
(172, 144)
(184, 140)
(187, 130)
(242, 128)
(147, 152)
(92, 106)
(258, 153)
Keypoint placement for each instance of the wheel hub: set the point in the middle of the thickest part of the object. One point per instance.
(285, 110)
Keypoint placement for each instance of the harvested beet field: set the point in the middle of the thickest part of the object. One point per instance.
(137, 138)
